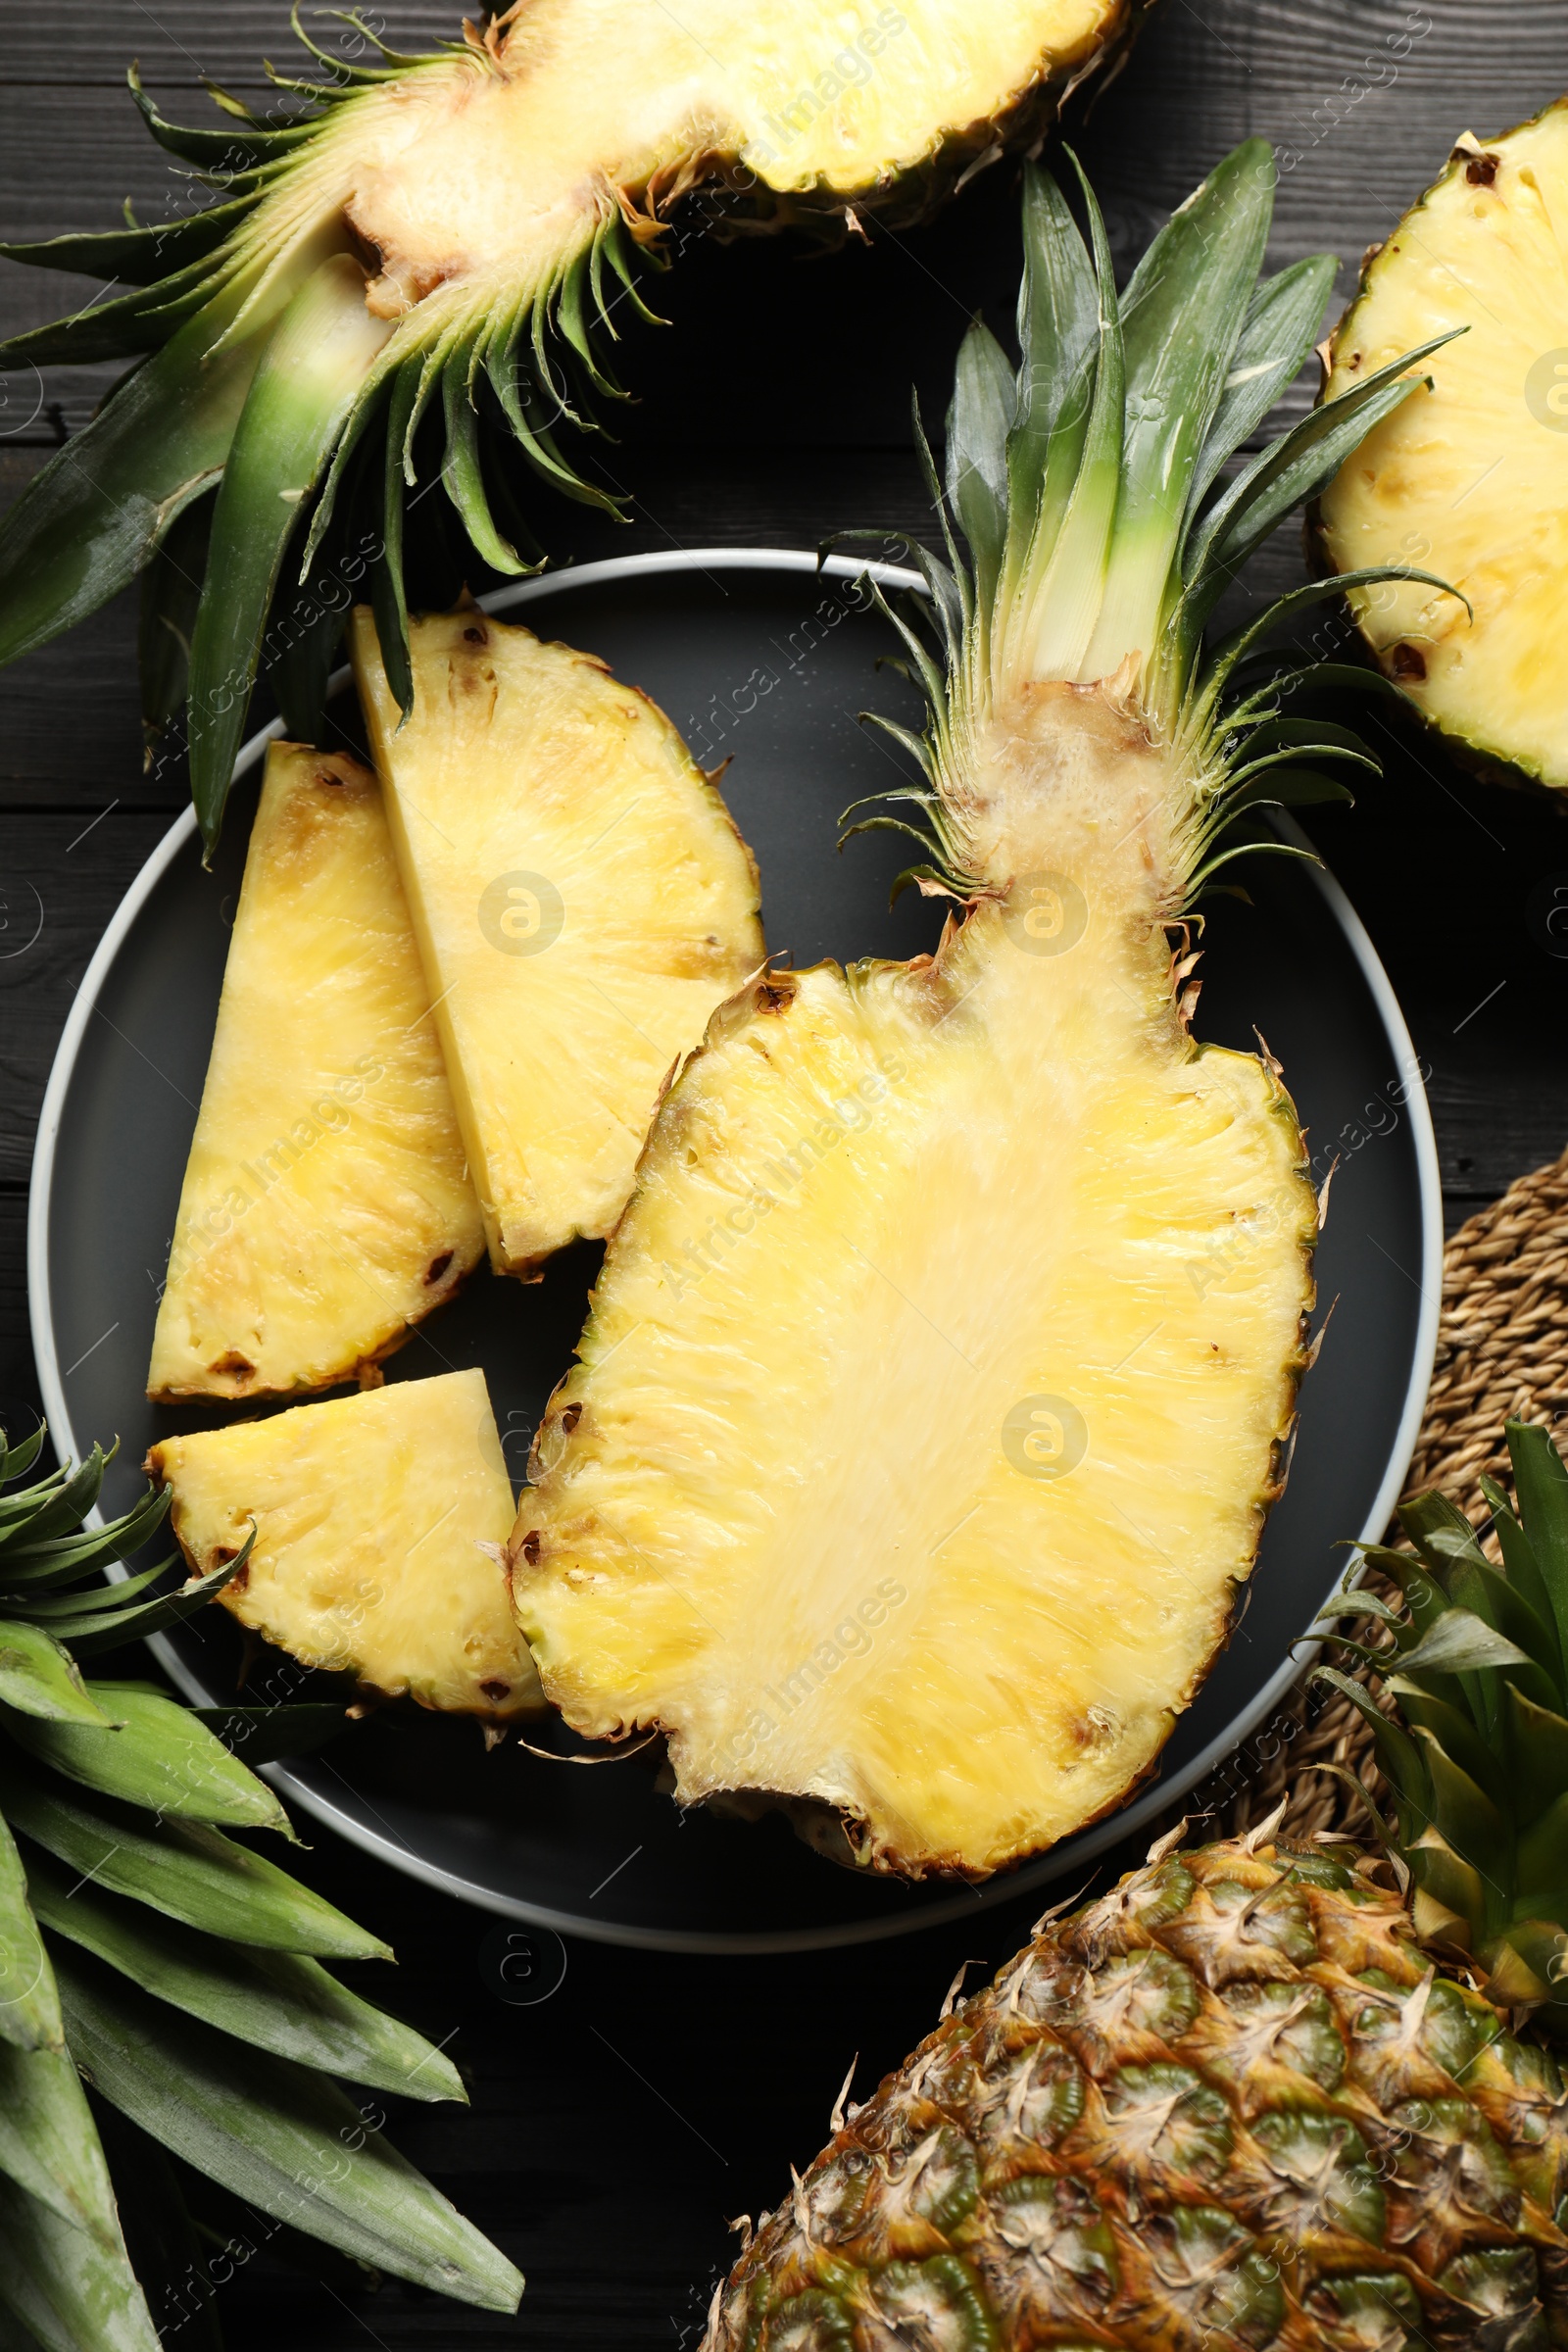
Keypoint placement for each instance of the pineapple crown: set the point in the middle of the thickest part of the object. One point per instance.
(1475, 1754)
(1089, 483)
(175, 1970)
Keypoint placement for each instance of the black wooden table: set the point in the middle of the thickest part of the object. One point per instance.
(618, 2124)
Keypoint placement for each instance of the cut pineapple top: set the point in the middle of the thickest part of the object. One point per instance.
(1470, 480)
(928, 1413)
(934, 1392)
(582, 902)
(326, 1206)
(372, 1515)
(480, 173)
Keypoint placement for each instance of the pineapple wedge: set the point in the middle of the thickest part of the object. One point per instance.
(1469, 480)
(377, 1519)
(937, 1375)
(325, 1207)
(583, 902)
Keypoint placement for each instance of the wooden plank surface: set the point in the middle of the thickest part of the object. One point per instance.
(617, 2126)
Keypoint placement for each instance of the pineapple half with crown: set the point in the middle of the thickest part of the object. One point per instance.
(1258, 2095)
(326, 1207)
(379, 1521)
(911, 1467)
(451, 233)
(583, 901)
(1471, 475)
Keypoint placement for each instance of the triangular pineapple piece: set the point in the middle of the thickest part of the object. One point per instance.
(1469, 481)
(377, 1518)
(325, 1207)
(583, 902)
(937, 1375)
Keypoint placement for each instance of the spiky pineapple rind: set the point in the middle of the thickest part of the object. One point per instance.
(1230, 2102)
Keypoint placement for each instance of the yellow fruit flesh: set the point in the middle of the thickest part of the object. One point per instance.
(582, 902)
(927, 1415)
(1470, 480)
(485, 171)
(370, 1512)
(326, 1206)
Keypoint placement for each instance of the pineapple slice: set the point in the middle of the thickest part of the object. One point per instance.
(500, 186)
(1469, 480)
(377, 1520)
(935, 1387)
(583, 902)
(325, 1207)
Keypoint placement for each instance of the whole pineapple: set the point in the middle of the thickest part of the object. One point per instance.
(1257, 2095)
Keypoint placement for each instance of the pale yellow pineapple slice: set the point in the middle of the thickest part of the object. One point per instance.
(378, 1521)
(325, 1207)
(583, 902)
(1468, 479)
(927, 1415)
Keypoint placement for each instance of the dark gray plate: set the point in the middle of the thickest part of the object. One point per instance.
(751, 656)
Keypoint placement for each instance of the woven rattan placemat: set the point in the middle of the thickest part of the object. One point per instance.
(1502, 1351)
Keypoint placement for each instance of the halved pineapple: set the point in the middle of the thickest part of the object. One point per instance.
(499, 187)
(325, 1207)
(583, 902)
(934, 1390)
(1469, 480)
(378, 1522)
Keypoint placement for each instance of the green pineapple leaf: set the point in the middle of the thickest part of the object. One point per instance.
(282, 2001)
(48, 2145)
(162, 1755)
(1522, 1568)
(1542, 1484)
(295, 405)
(278, 2136)
(29, 2005)
(1274, 346)
(68, 2292)
(40, 1678)
(185, 1867)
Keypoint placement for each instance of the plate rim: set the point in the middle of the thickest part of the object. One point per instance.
(1087, 1845)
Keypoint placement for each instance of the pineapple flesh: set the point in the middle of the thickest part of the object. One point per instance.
(1469, 480)
(932, 1401)
(583, 902)
(378, 1523)
(1229, 2107)
(325, 1207)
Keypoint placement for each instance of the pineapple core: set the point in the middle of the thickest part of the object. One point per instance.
(378, 1519)
(583, 902)
(928, 1413)
(326, 1206)
(1469, 480)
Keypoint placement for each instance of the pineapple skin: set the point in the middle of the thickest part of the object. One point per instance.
(378, 1521)
(1228, 2107)
(1478, 251)
(325, 1207)
(583, 901)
